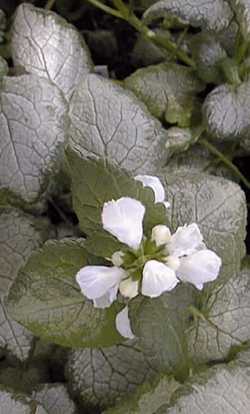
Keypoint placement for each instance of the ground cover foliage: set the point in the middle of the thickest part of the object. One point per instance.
(92, 95)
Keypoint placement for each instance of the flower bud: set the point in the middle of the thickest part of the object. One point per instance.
(160, 235)
(117, 258)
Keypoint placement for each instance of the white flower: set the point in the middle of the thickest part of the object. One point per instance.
(129, 288)
(155, 184)
(123, 218)
(200, 267)
(100, 283)
(157, 278)
(160, 234)
(123, 324)
(190, 258)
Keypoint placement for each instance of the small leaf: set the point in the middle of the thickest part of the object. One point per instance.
(47, 46)
(213, 15)
(226, 320)
(218, 206)
(18, 404)
(95, 181)
(180, 139)
(33, 119)
(168, 90)
(208, 53)
(46, 299)
(18, 238)
(109, 122)
(222, 389)
(226, 112)
(54, 398)
(147, 398)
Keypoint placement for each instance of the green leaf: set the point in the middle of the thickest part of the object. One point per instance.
(226, 113)
(18, 404)
(46, 299)
(19, 236)
(33, 119)
(147, 398)
(109, 122)
(54, 398)
(159, 325)
(95, 181)
(168, 90)
(225, 321)
(102, 244)
(101, 376)
(46, 45)
(222, 389)
(208, 53)
(213, 15)
(218, 206)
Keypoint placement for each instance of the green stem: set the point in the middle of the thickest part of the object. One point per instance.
(122, 11)
(106, 8)
(225, 160)
(50, 4)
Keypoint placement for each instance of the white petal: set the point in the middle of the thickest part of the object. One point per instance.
(157, 278)
(186, 240)
(129, 288)
(155, 184)
(123, 218)
(122, 323)
(200, 267)
(96, 281)
(173, 262)
(160, 234)
(106, 300)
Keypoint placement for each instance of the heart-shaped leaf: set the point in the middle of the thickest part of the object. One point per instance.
(226, 112)
(218, 206)
(54, 398)
(224, 321)
(20, 234)
(46, 45)
(33, 119)
(111, 123)
(212, 15)
(168, 90)
(46, 299)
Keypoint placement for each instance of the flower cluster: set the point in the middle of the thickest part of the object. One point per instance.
(147, 266)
